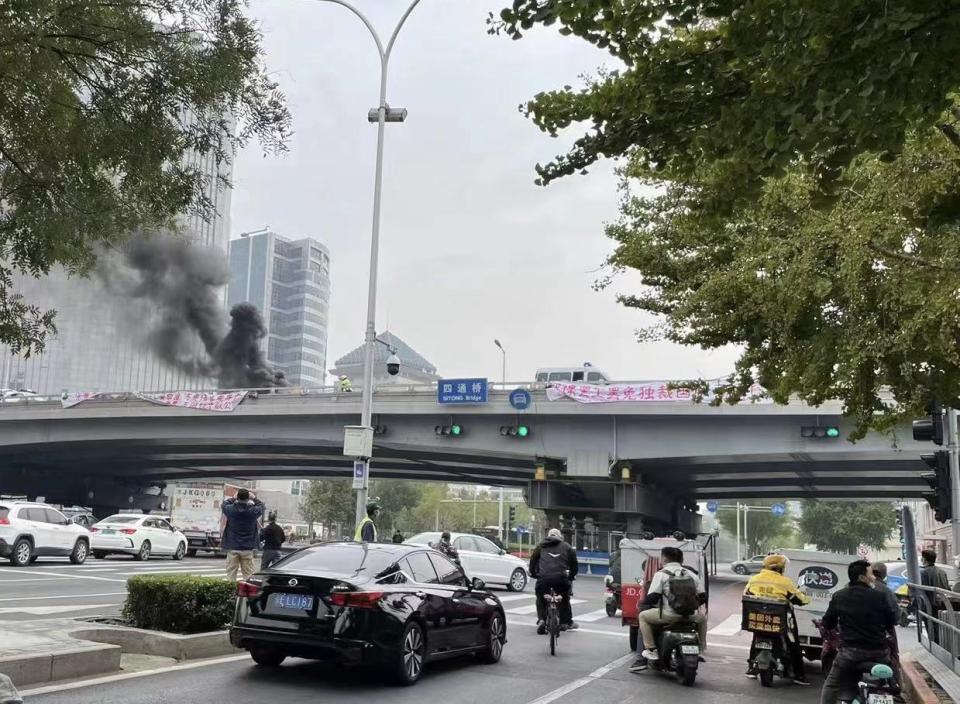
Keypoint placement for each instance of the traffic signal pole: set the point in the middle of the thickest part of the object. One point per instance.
(954, 448)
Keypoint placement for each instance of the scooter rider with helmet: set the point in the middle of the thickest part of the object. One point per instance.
(771, 583)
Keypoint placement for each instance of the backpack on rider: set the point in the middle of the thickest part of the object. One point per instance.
(680, 593)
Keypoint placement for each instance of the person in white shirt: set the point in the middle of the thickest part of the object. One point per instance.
(675, 594)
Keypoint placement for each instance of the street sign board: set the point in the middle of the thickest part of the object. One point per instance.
(461, 391)
(359, 473)
(862, 551)
(520, 530)
(520, 399)
(778, 509)
(712, 506)
(357, 441)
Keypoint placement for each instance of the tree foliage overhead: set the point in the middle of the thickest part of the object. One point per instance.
(839, 526)
(100, 103)
(804, 162)
(747, 85)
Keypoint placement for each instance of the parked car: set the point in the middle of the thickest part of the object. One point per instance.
(480, 558)
(29, 530)
(138, 535)
(751, 565)
(79, 516)
(393, 606)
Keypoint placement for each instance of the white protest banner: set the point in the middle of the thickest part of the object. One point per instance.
(640, 392)
(223, 401)
(71, 400)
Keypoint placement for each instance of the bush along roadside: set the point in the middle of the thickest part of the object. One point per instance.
(179, 603)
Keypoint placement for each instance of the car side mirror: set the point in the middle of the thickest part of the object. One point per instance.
(502, 551)
(477, 584)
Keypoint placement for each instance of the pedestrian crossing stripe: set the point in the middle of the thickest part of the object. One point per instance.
(532, 609)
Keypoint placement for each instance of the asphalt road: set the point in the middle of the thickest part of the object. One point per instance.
(591, 664)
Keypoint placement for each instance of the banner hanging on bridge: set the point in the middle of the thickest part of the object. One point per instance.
(224, 401)
(641, 392)
(71, 400)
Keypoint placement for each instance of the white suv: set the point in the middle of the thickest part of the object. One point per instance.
(30, 530)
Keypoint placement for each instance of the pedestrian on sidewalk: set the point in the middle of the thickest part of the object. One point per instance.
(273, 537)
(241, 533)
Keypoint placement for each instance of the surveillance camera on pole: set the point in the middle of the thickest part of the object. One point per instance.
(393, 365)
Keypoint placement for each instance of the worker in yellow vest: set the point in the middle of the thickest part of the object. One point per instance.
(367, 529)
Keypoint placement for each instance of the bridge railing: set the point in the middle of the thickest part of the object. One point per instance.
(938, 623)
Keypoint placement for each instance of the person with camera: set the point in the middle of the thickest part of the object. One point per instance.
(241, 533)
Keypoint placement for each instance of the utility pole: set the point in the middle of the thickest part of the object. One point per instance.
(953, 448)
(739, 557)
(500, 519)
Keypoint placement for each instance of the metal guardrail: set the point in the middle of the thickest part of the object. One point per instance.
(940, 633)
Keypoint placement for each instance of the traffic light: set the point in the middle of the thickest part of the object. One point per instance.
(513, 514)
(930, 429)
(819, 431)
(939, 481)
(454, 430)
(898, 511)
(515, 431)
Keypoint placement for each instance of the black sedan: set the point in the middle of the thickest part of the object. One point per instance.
(392, 606)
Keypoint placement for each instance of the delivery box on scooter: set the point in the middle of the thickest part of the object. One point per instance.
(819, 575)
(640, 560)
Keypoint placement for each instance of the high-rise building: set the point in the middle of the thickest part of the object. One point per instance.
(414, 367)
(98, 347)
(289, 281)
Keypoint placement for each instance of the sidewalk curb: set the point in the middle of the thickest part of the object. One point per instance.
(914, 684)
(97, 651)
(92, 659)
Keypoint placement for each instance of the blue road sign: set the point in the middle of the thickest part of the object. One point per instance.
(712, 506)
(520, 530)
(520, 399)
(778, 509)
(462, 391)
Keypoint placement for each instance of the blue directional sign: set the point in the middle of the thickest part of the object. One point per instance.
(778, 509)
(462, 391)
(712, 506)
(520, 399)
(520, 530)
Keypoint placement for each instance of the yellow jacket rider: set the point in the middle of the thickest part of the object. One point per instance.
(771, 583)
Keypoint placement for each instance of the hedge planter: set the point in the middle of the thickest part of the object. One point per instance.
(179, 603)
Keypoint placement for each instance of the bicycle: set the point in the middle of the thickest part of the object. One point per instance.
(553, 618)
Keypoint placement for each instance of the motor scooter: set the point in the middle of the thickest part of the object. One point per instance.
(877, 685)
(678, 645)
(611, 595)
(769, 621)
(831, 645)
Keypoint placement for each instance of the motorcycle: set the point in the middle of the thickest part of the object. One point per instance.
(679, 647)
(876, 686)
(831, 644)
(768, 620)
(612, 595)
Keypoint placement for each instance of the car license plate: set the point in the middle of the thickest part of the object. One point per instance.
(291, 602)
(690, 649)
(107, 531)
(879, 699)
(763, 645)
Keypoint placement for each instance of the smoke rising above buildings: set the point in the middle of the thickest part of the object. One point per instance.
(187, 327)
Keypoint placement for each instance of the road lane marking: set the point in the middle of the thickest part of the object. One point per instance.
(62, 596)
(583, 681)
(47, 610)
(515, 597)
(21, 570)
(619, 634)
(730, 626)
(532, 609)
(131, 675)
(31, 579)
(592, 616)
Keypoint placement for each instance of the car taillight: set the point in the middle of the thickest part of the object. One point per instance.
(93, 529)
(4, 521)
(248, 589)
(128, 531)
(358, 600)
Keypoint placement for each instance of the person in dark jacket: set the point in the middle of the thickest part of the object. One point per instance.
(241, 533)
(447, 548)
(864, 618)
(273, 537)
(398, 536)
(554, 565)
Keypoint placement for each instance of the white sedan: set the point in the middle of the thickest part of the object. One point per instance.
(480, 558)
(137, 535)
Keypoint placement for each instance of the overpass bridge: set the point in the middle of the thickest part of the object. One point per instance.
(674, 452)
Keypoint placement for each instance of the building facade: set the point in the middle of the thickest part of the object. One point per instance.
(289, 281)
(414, 367)
(100, 345)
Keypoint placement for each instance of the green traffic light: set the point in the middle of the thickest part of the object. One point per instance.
(455, 429)
(833, 432)
(523, 431)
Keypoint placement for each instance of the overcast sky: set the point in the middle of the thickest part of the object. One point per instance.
(471, 249)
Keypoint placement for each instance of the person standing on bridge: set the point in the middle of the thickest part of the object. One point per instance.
(241, 533)
(367, 528)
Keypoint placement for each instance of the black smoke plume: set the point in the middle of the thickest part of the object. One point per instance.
(184, 322)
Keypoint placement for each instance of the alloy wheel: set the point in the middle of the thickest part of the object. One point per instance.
(23, 553)
(496, 637)
(81, 551)
(413, 653)
(518, 580)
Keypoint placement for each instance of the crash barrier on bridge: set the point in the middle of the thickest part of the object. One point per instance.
(593, 563)
(938, 623)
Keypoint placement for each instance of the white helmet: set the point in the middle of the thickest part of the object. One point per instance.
(555, 533)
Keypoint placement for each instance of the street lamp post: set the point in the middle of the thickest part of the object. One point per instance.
(504, 353)
(382, 114)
